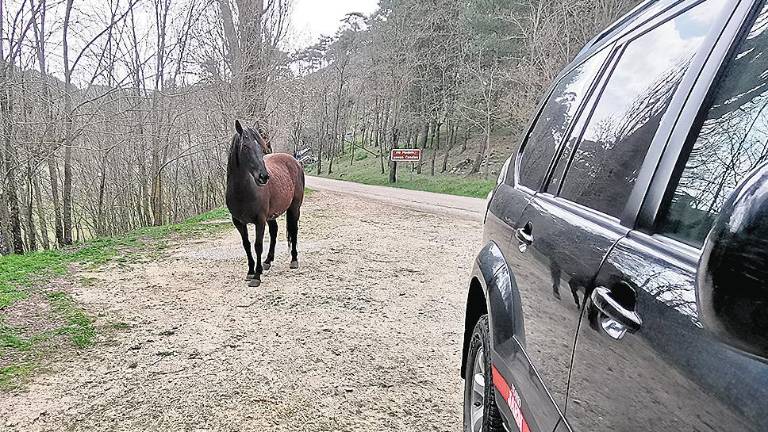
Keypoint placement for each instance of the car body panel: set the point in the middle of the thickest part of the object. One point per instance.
(672, 373)
(503, 304)
(552, 275)
(547, 342)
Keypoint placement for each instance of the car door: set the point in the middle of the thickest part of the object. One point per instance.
(567, 230)
(516, 369)
(643, 360)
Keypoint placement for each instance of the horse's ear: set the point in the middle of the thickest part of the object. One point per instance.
(238, 127)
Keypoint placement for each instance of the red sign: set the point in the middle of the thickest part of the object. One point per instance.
(405, 155)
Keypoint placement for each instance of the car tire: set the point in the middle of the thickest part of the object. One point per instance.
(480, 411)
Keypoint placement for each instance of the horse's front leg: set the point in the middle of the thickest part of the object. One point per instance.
(259, 247)
(272, 242)
(243, 229)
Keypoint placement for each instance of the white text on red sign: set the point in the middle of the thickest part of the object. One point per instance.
(405, 155)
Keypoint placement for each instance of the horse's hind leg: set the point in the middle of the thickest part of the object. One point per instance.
(243, 229)
(259, 247)
(272, 242)
(292, 222)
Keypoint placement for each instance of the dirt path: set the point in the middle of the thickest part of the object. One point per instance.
(366, 336)
(449, 205)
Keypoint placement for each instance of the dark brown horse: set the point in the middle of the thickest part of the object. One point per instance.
(261, 187)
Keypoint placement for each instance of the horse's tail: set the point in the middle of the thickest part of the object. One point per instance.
(293, 219)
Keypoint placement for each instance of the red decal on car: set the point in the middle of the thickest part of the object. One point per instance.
(511, 397)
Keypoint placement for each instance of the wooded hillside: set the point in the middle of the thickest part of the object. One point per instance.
(433, 74)
(117, 114)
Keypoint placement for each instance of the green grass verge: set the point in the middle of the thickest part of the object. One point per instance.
(10, 375)
(367, 170)
(78, 326)
(20, 273)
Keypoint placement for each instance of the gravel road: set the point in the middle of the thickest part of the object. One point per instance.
(448, 205)
(365, 336)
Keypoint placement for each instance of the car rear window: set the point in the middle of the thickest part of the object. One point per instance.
(731, 141)
(555, 119)
(611, 151)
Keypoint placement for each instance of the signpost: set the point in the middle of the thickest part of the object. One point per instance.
(405, 155)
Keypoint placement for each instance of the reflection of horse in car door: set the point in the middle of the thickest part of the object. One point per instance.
(573, 283)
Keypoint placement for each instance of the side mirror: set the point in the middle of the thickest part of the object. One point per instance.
(732, 279)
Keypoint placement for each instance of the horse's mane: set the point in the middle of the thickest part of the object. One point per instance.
(235, 147)
(234, 150)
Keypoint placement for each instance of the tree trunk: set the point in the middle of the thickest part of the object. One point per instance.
(230, 36)
(423, 146)
(354, 145)
(382, 147)
(158, 111)
(449, 147)
(435, 144)
(6, 244)
(67, 192)
(53, 173)
(100, 224)
(41, 214)
(392, 164)
(252, 60)
(69, 132)
(31, 230)
(11, 188)
(45, 139)
(487, 146)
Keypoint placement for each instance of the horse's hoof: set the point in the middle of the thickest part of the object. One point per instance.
(254, 283)
(294, 264)
(250, 276)
(267, 265)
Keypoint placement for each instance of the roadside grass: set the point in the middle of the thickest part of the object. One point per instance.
(366, 169)
(11, 375)
(18, 271)
(78, 326)
(22, 346)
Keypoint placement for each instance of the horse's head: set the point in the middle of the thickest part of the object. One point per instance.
(251, 148)
(267, 146)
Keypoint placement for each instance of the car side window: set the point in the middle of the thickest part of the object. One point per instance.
(555, 119)
(610, 153)
(731, 141)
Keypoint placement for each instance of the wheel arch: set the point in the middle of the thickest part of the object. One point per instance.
(476, 307)
(492, 290)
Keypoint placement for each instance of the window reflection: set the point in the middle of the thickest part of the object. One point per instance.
(731, 143)
(611, 151)
(555, 118)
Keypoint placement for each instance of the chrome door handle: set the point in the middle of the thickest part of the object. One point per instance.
(619, 319)
(524, 237)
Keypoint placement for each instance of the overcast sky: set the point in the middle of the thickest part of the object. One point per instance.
(314, 18)
(310, 19)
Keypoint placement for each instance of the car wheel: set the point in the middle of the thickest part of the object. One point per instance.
(480, 411)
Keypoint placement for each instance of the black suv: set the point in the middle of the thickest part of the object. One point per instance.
(623, 280)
